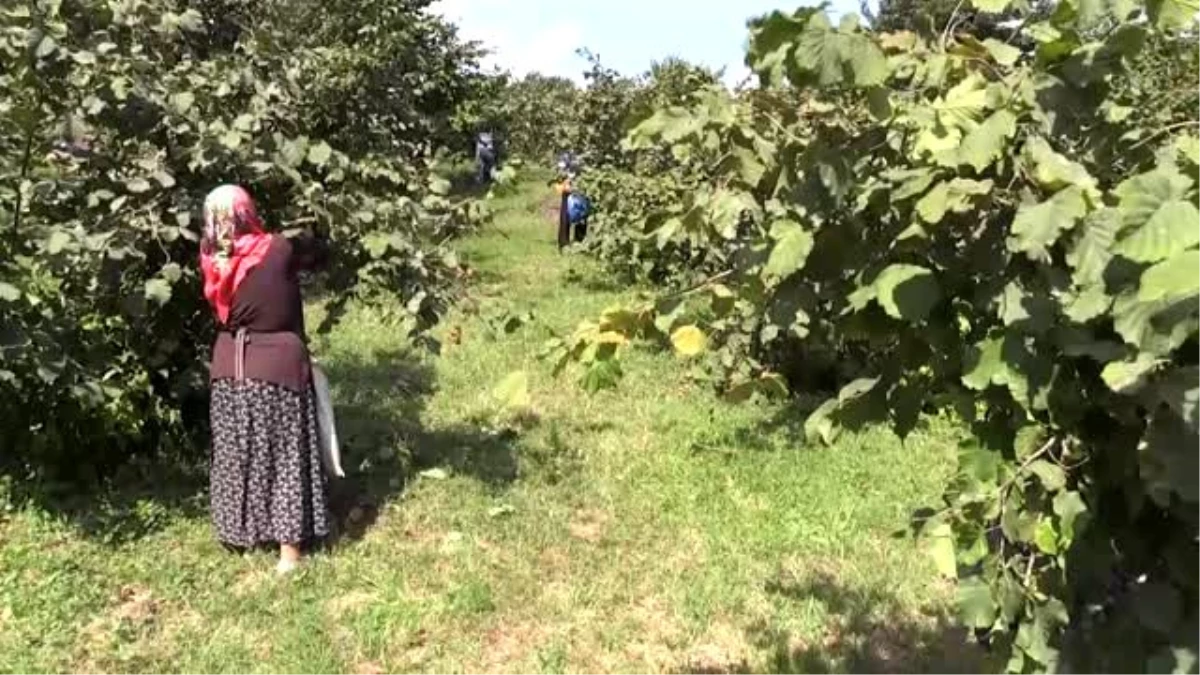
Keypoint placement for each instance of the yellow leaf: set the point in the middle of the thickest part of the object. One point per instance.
(688, 340)
(612, 337)
(513, 390)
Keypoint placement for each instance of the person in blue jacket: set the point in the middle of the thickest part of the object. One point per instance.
(574, 208)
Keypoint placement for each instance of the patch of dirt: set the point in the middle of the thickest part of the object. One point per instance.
(553, 562)
(659, 635)
(589, 525)
(348, 603)
(505, 647)
(135, 603)
(250, 581)
(369, 668)
(723, 649)
(131, 622)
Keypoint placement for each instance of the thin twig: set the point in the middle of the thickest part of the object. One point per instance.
(950, 24)
(698, 286)
(1164, 130)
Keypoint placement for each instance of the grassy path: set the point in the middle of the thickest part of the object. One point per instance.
(648, 529)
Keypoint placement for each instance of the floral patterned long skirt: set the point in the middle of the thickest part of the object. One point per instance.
(266, 478)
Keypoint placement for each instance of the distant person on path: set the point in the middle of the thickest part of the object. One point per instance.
(485, 156)
(267, 482)
(574, 208)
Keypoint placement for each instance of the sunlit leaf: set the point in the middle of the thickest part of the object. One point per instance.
(688, 341)
(1037, 227)
(513, 391)
(790, 251)
(976, 607)
(986, 143)
(319, 153)
(941, 548)
(907, 291)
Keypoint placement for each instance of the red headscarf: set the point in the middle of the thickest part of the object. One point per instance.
(234, 243)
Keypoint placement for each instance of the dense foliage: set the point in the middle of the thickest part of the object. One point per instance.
(538, 116)
(1005, 230)
(116, 117)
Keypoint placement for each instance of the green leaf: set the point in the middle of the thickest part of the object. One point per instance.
(1045, 537)
(46, 47)
(991, 6)
(1088, 304)
(293, 151)
(1037, 227)
(792, 246)
(137, 185)
(963, 105)
(1004, 54)
(1091, 253)
(182, 101)
(164, 179)
(172, 272)
(941, 549)
(158, 290)
(976, 607)
(1149, 325)
(987, 142)
(1171, 280)
(837, 57)
(8, 292)
(58, 241)
(726, 209)
(1141, 196)
(319, 153)
(1007, 361)
(907, 291)
(1051, 475)
(1174, 660)
(688, 341)
(983, 364)
(513, 391)
(1179, 388)
(951, 196)
(602, 374)
(1172, 14)
(1127, 377)
(1095, 12)
(1025, 310)
(1174, 227)
(1053, 171)
(820, 425)
(856, 389)
(1069, 506)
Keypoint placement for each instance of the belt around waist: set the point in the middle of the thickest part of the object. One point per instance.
(241, 337)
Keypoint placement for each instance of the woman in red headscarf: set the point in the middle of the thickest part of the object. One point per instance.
(267, 481)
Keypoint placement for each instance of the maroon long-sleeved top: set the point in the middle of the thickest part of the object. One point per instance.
(267, 304)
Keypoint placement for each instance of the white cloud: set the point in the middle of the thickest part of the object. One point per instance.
(548, 49)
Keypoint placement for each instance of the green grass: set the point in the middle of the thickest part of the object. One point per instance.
(651, 528)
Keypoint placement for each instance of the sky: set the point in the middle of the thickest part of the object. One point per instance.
(542, 35)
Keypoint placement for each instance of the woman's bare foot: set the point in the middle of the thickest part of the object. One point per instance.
(289, 558)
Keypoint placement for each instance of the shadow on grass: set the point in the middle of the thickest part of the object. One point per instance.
(141, 498)
(868, 631)
(379, 403)
(596, 281)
